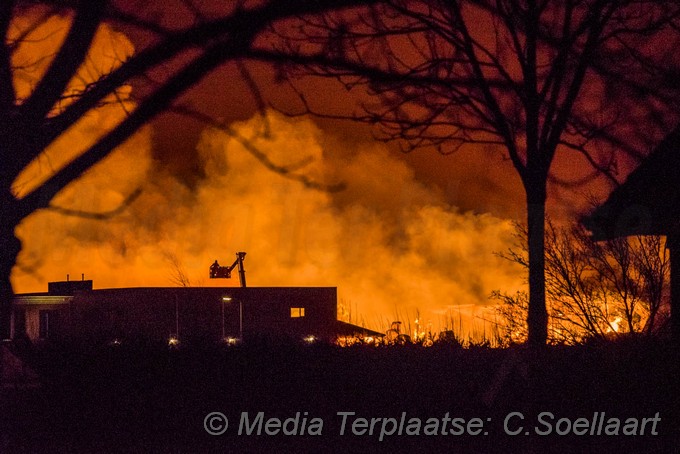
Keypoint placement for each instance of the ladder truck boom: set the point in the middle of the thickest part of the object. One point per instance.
(224, 272)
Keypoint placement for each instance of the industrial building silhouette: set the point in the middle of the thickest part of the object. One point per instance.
(73, 310)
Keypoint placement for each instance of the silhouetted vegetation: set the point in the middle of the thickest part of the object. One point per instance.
(594, 289)
(526, 79)
(62, 89)
(154, 399)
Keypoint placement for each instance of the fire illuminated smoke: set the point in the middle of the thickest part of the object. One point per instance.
(392, 246)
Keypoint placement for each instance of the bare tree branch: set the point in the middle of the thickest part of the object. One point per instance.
(289, 171)
(178, 274)
(103, 216)
(530, 74)
(180, 56)
(595, 290)
(67, 61)
(7, 95)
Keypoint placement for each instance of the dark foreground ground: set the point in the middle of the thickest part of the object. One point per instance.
(153, 399)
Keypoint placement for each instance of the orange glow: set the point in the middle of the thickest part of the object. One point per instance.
(386, 242)
(614, 325)
(231, 341)
(392, 245)
(173, 341)
(32, 58)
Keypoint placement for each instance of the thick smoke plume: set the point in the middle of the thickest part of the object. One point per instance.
(392, 247)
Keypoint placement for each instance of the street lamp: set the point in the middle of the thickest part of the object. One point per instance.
(225, 299)
(174, 338)
(228, 299)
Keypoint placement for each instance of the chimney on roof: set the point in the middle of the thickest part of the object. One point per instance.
(69, 287)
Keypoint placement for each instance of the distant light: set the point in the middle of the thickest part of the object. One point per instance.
(173, 341)
(310, 339)
(231, 340)
(614, 325)
(226, 299)
(115, 342)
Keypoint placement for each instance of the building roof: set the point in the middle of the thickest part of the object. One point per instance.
(648, 202)
(349, 329)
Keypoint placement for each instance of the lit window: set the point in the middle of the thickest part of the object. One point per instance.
(297, 312)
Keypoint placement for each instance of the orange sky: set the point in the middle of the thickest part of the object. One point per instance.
(411, 234)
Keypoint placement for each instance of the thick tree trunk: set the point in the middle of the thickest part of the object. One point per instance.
(10, 246)
(9, 250)
(537, 318)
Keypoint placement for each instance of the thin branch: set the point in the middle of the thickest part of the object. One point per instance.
(157, 102)
(72, 53)
(102, 216)
(7, 94)
(240, 23)
(254, 91)
(286, 171)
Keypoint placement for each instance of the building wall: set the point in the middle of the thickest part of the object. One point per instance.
(191, 314)
(195, 314)
(39, 317)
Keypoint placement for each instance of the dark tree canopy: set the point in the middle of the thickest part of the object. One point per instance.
(531, 78)
(185, 43)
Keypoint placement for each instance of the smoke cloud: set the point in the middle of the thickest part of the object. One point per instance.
(393, 248)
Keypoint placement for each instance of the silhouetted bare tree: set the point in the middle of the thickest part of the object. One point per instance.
(178, 274)
(183, 46)
(529, 77)
(594, 290)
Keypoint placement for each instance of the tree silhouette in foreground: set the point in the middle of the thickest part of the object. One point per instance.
(594, 289)
(528, 78)
(176, 58)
